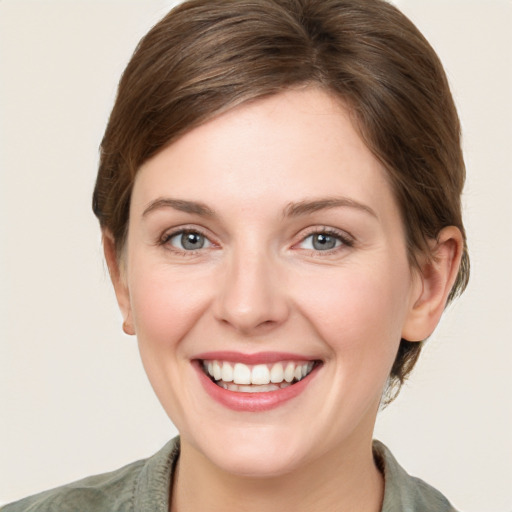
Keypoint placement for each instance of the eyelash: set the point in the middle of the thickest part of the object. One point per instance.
(167, 237)
(344, 239)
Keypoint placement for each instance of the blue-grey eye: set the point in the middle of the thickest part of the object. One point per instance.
(189, 241)
(321, 242)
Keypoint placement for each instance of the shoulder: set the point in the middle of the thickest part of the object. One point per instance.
(141, 485)
(403, 492)
(99, 492)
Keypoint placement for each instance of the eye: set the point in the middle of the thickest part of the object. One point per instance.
(323, 241)
(188, 240)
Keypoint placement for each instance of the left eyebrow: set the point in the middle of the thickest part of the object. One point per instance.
(311, 206)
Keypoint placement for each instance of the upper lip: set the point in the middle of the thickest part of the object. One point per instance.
(254, 358)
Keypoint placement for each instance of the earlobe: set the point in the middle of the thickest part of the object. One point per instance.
(118, 281)
(436, 278)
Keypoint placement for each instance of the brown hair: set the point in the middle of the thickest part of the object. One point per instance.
(207, 56)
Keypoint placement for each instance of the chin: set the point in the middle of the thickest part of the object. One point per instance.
(256, 463)
(253, 451)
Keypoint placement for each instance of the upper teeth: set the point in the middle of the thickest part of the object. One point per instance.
(260, 374)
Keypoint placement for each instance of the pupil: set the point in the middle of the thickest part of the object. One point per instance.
(323, 242)
(192, 240)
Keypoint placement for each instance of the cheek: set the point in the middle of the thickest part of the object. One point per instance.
(359, 311)
(165, 306)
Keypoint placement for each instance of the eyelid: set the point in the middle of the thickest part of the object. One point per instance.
(346, 239)
(180, 234)
(167, 235)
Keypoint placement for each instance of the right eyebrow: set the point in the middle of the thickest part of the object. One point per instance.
(181, 205)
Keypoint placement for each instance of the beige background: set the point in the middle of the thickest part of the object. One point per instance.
(73, 396)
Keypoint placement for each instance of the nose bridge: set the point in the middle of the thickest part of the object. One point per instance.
(252, 295)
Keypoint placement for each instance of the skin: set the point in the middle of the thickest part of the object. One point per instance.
(258, 284)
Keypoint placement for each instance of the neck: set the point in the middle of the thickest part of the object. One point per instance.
(341, 480)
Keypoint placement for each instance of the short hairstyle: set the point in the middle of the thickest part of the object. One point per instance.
(208, 56)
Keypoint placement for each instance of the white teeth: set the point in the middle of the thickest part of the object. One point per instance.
(252, 389)
(217, 372)
(258, 389)
(227, 372)
(241, 374)
(289, 372)
(257, 378)
(260, 374)
(277, 373)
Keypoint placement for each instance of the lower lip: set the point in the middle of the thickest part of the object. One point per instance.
(253, 402)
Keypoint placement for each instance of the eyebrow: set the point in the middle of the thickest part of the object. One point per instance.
(181, 205)
(291, 210)
(305, 207)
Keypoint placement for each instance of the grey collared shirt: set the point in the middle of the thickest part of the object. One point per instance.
(144, 486)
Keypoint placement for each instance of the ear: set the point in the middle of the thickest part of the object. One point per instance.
(435, 280)
(118, 280)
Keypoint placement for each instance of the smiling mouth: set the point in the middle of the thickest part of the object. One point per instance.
(258, 378)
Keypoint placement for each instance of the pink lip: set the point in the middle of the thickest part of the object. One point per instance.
(256, 358)
(252, 402)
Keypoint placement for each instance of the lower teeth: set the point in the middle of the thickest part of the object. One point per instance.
(241, 388)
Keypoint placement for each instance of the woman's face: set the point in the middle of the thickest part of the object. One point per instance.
(264, 245)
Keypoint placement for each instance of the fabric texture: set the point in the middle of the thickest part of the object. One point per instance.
(144, 486)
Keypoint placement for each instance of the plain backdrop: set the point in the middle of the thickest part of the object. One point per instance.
(74, 399)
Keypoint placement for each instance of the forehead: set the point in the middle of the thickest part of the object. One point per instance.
(297, 144)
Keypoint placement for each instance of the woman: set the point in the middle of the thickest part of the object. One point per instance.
(279, 196)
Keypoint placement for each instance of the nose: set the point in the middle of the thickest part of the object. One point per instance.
(251, 297)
